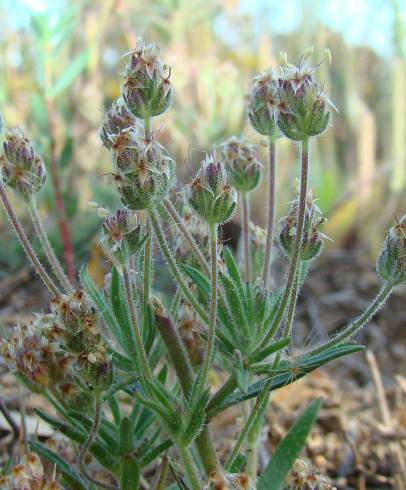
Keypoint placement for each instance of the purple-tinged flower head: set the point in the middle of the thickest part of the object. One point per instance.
(241, 161)
(211, 196)
(391, 264)
(147, 90)
(118, 119)
(121, 236)
(264, 104)
(304, 105)
(22, 168)
(313, 239)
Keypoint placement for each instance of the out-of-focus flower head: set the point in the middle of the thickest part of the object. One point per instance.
(22, 168)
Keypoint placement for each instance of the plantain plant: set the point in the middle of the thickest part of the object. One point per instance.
(127, 373)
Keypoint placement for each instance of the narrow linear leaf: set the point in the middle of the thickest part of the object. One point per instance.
(102, 305)
(74, 68)
(288, 450)
(119, 307)
(307, 365)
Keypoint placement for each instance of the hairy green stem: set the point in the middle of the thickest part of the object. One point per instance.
(175, 304)
(271, 213)
(180, 361)
(297, 245)
(89, 441)
(147, 128)
(46, 246)
(19, 231)
(227, 389)
(170, 208)
(257, 409)
(190, 468)
(287, 331)
(357, 324)
(211, 336)
(245, 215)
(134, 320)
(173, 266)
(147, 276)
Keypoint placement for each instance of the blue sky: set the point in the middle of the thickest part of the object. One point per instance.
(360, 21)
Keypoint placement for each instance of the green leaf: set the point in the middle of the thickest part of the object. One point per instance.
(98, 449)
(232, 267)
(102, 305)
(39, 112)
(75, 67)
(305, 366)
(271, 349)
(119, 307)
(198, 278)
(126, 435)
(288, 450)
(73, 478)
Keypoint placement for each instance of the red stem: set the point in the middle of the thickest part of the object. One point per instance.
(64, 231)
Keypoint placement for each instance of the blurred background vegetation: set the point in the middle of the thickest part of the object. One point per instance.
(61, 67)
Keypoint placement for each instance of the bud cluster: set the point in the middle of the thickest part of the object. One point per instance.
(264, 104)
(294, 102)
(147, 90)
(312, 242)
(241, 161)
(121, 236)
(211, 196)
(29, 474)
(22, 168)
(391, 265)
